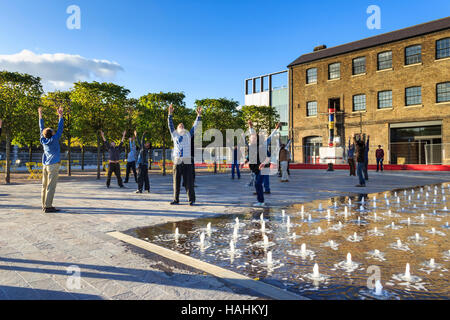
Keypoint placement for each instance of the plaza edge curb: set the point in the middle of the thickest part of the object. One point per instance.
(227, 275)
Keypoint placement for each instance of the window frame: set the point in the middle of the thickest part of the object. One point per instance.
(442, 49)
(354, 67)
(378, 60)
(445, 93)
(365, 102)
(406, 96)
(307, 108)
(379, 107)
(419, 55)
(307, 75)
(329, 71)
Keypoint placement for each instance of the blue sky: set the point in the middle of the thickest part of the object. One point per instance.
(204, 48)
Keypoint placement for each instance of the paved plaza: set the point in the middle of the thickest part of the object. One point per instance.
(37, 249)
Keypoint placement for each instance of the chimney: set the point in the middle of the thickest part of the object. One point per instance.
(321, 47)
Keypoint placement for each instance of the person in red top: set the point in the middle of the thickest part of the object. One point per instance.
(380, 157)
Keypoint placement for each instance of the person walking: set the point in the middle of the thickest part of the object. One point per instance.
(379, 154)
(50, 160)
(360, 153)
(350, 157)
(366, 157)
(131, 160)
(235, 164)
(114, 157)
(182, 161)
(284, 161)
(143, 179)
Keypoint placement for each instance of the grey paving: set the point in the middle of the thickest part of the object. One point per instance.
(36, 249)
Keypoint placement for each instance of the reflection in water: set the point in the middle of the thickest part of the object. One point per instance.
(403, 232)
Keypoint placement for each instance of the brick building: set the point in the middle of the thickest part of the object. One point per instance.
(394, 87)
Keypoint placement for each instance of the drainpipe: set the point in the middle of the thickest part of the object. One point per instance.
(291, 111)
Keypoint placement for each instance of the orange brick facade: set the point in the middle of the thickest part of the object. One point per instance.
(374, 122)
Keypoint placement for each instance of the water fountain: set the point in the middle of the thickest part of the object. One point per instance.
(202, 240)
(320, 207)
(208, 228)
(263, 226)
(232, 248)
(328, 214)
(354, 238)
(235, 232)
(378, 288)
(177, 234)
(348, 265)
(269, 259)
(349, 202)
(265, 241)
(303, 252)
(283, 213)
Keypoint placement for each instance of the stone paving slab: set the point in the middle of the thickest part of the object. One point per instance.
(36, 249)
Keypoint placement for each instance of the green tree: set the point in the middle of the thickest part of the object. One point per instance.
(263, 117)
(220, 114)
(102, 106)
(152, 117)
(19, 98)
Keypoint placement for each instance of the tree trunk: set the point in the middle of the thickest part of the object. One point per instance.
(164, 157)
(82, 158)
(30, 153)
(8, 159)
(69, 167)
(98, 157)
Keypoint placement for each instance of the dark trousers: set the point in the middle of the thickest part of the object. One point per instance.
(114, 167)
(259, 187)
(235, 166)
(360, 171)
(351, 163)
(380, 164)
(183, 171)
(131, 166)
(266, 183)
(143, 178)
(366, 173)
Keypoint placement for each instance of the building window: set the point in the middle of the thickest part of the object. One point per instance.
(443, 48)
(359, 65)
(443, 92)
(311, 75)
(413, 54)
(384, 99)
(385, 60)
(359, 102)
(413, 96)
(265, 83)
(311, 108)
(249, 86)
(334, 71)
(257, 85)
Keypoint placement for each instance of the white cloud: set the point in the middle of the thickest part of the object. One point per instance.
(60, 70)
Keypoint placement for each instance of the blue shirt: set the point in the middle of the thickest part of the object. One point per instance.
(132, 153)
(52, 152)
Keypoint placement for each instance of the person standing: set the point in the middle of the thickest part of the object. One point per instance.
(360, 153)
(284, 161)
(350, 157)
(235, 164)
(366, 157)
(182, 161)
(50, 160)
(131, 160)
(267, 142)
(114, 158)
(143, 179)
(255, 145)
(379, 154)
